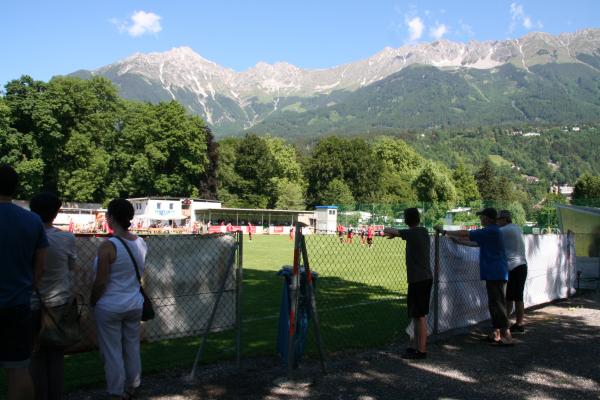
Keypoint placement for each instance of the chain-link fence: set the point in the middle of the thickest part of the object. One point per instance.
(361, 290)
(183, 276)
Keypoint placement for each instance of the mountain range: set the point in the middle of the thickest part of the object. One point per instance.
(539, 78)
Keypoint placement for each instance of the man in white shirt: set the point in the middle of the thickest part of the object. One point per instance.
(514, 246)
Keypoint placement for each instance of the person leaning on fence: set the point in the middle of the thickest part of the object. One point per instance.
(55, 289)
(117, 302)
(493, 269)
(514, 246)
(23, 245)
(420, 279)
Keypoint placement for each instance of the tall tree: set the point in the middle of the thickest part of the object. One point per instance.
(487, 181)
(338, 193)
(255, 166)
(349, 160)
(466, 185)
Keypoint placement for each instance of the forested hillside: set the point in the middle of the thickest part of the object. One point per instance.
(423, 97)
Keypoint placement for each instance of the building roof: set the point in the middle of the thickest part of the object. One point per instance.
(579, 219)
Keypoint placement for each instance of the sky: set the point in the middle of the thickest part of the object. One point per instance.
(47, 38)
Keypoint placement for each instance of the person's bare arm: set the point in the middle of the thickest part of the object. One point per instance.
(461, 234)
(390, 233)
(106, 256)
(39, 265)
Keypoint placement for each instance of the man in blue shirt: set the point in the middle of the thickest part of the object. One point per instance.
(493, 269)
(23, 246)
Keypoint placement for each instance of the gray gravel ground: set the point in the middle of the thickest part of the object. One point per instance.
(557, 358)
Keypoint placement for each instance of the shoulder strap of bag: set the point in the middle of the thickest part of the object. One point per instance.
(137, 271)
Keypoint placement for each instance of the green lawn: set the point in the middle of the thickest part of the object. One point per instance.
(359, 296)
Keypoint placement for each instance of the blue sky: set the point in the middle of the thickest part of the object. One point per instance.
(46, 38)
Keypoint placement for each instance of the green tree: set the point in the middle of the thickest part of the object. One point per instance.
(487, 181)
(466, 185)
(587, 190)
(289, 194)
(255, 165)
(432, 186)
(545, 215)
(338, 193)
(349, 160)
(22, 152)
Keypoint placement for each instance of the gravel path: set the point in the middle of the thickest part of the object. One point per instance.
(557, 358)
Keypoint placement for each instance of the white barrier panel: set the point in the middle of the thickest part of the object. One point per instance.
(183, 276)
(462, 296)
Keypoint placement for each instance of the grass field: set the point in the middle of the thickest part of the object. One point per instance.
(359, 297)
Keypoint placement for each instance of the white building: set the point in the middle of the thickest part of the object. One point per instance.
(326, 217)
(168, 211)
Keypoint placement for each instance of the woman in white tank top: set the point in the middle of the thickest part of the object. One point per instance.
(117, 302)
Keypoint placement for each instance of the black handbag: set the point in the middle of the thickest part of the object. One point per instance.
(147, 309)
(59, 326)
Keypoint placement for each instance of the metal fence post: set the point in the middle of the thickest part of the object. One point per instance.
(239, 275)
(294, 297)
(436, 284)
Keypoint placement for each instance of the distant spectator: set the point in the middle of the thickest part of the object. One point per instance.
(291, 232)
(23, 247)
(249, 230)
(420, 279)
(55, 288)
(117, 302)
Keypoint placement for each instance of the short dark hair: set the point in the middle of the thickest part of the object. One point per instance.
(412, 216)
(8, 180)
(46, 205)
(122, 211)
(506, 215)
(489, 212)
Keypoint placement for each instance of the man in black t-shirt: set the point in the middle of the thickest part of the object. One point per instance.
(420, 279)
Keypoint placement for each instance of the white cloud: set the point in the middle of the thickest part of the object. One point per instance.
(415, 28)
(141, 23)
(144, 22)
(438, 31)
(518, 17)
